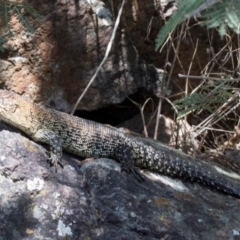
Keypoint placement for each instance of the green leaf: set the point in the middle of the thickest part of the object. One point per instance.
(208, 98)
(184, 7)
(222, 29)
(221, 15)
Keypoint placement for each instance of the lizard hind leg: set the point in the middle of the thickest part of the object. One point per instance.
(124, 155)
(50, 138)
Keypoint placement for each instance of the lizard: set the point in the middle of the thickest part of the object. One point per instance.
(86, 138)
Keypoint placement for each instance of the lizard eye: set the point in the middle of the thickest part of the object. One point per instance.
(8, 107)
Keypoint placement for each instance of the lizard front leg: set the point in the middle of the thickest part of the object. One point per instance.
(124, 155)
(50, 138)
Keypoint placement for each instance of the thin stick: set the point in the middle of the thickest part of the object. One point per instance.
(189, 70)
(210, 78)
(104, 59)
(170, 74)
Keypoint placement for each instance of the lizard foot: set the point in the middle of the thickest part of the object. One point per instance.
(127, 165)
(50, 138)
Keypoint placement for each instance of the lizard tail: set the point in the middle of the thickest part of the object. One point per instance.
(175, 166)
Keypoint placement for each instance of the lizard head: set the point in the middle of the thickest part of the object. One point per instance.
(15, 110)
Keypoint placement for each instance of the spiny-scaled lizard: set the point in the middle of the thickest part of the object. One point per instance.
(90, 139)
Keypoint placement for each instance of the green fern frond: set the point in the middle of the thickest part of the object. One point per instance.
(13, 7)
(4, 12)
(18, 7)
(31, 11)
(222, 15)
(184, 7)
(22, 19)
(208, 97)
(2, 41)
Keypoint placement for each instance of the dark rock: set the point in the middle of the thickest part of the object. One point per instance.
(98, 201)
(54, 64)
